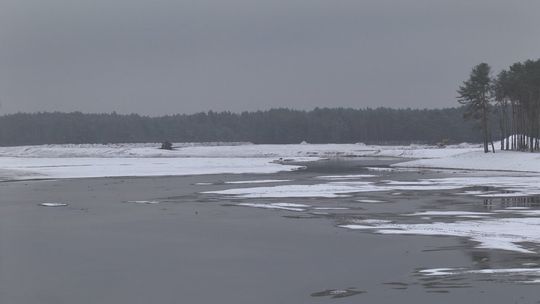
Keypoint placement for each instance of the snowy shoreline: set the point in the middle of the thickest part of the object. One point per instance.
(80, 161)
(509, 161)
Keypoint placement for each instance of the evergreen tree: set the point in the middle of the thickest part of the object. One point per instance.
(475, 93)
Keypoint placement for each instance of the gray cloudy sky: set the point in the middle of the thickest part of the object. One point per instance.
(164, 56)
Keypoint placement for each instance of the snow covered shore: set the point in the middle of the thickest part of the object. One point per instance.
(16, 168)
(235, 150)
(73, 161)
(478, 160)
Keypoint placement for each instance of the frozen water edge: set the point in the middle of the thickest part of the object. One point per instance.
(345, 177)
(89, 161)
(518, 185)
(40, 168)
(476, 160)
(448, 213)
(144, 202)
(259, 181)
(492, 233)
(521, 275)
(280, 206)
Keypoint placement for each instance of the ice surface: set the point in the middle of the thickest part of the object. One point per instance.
(520, 212)
(220, 150)
(477, 160)
(280, 206)
(372, 221)
(493, 233)
(519, 185)
(318, 190)
(260, 181)
(53, 204)
(447, 213)
(533, 274)
(369, 201)
(74, 161)
(35, 168)
(345, 177)
(143, 202)
(439, 271)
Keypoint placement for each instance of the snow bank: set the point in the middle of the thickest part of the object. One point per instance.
(16, 168)
(234, 150)
(478, 160)
(147, 160)
(78, 161)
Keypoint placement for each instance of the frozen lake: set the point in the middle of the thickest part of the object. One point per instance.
(345, 230)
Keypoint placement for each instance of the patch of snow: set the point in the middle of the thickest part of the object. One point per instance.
(53, 204)
(461, 271)
(523, 185)
(345, 177)
(520, 212)
(260, 181)
(230, 150)
(477, 160)
(472, 216)
(439, 271)
(280, 206)
(369, 201)
(39, 168)
(357, 226)
(317, 190)
(372, 221)
(448, 213)
(474, 192)
(501, 233)
(143, 202)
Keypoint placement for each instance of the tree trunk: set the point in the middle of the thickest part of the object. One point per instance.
(485, 129)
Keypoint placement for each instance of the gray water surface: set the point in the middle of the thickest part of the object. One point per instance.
(190, 247)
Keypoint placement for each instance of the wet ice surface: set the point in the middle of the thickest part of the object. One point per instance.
(337, 293)
(143, 202)
(496, 212)
(259, 181)
(523, 275)
(282, 206)
(495, 233)
(341, 186)
(345, 177)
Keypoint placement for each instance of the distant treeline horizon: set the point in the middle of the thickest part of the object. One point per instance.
(275, 126)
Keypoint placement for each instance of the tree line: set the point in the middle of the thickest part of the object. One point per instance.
(276, 126)
(512, 98)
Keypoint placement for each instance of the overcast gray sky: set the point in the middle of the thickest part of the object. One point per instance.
(168, 56)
